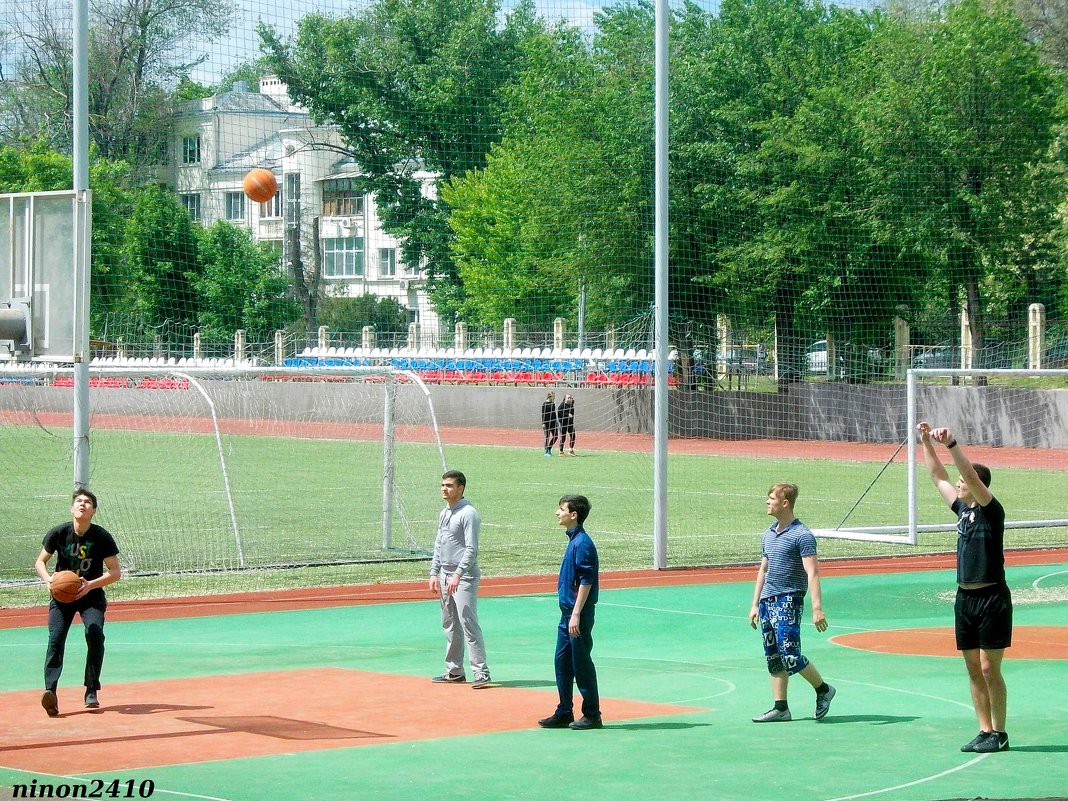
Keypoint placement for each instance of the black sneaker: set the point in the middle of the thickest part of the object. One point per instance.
(587, 722)
(995, 741)
(970, 746)
(482, 680)
(50, 703)
(91, 701)
(448, 678)
(823, 702)
(555, 721)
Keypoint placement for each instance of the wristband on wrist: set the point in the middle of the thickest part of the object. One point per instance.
(951, 444)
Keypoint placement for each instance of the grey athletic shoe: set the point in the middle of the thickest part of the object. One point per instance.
(969, 747)
(448, 678)
(482, 679)
(823, 702)
(774, 716)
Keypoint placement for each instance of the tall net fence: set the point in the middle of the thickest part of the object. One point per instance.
(467, 187)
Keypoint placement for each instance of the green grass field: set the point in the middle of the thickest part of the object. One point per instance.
(318, 501)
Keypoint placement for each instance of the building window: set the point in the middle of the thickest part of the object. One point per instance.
(191, 204)
(387, 262)
(191, 149)
(343, 257)
(292, 196)
(273, 207)
(342, 198)
(235, 206)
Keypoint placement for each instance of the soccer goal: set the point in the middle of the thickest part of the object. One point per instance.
(1016, 421)
(209, 469)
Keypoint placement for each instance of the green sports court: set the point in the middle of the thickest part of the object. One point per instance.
(332, 700)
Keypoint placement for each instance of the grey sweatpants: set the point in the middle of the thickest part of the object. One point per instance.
(459, 619)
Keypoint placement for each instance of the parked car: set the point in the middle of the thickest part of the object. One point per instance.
(946, 356)
(943, 356)
(816, 359)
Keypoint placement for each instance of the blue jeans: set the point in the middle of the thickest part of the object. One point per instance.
(574, 665)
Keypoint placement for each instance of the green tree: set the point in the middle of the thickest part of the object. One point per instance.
(136, 50)
(350, 315)
(415, 88)
(240, 285)
(762, 209)
(563, 206)
(969, 92)
(162, 263)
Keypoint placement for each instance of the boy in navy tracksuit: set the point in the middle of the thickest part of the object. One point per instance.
(577, 590)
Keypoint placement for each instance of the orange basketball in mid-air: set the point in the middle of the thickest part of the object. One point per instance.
(65, 586)
(260, 185)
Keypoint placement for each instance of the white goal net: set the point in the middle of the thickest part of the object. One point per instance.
(1015, 422)
(209, 470)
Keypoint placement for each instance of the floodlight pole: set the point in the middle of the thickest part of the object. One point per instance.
(80, 260)
(660, 387)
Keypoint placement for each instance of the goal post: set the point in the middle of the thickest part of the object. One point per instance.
(1011, 418)
(1014, 410)
(219, 469)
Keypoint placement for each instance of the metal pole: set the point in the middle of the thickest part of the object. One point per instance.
(582, 313)
(910, 429)
(660, 408)
(83, 222)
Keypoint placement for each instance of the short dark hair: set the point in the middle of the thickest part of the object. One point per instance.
(579, 504)
(983, 472)
(461, 479)
(79, 493)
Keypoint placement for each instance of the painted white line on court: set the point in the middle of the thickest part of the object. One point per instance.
(904, 692)
(1040, 579)
(669, 611)
(912, 783)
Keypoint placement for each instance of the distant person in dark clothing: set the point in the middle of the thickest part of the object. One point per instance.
(549, 422)
(566, 415)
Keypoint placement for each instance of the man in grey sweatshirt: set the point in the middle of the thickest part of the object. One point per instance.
(454, 576)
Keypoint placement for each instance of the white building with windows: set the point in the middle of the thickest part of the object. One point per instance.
(318, 214)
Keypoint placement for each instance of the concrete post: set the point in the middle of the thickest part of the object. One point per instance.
(1036, 335)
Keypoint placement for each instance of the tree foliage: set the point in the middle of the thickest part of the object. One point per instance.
(136, 50)
(350, 315)
(240, 285)
(414, 87)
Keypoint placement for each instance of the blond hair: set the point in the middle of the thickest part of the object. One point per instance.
(787, 491)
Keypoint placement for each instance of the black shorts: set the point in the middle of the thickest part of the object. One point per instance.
(983, 618)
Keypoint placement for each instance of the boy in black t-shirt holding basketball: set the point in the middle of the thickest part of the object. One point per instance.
(983, 609)
(91, 552)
